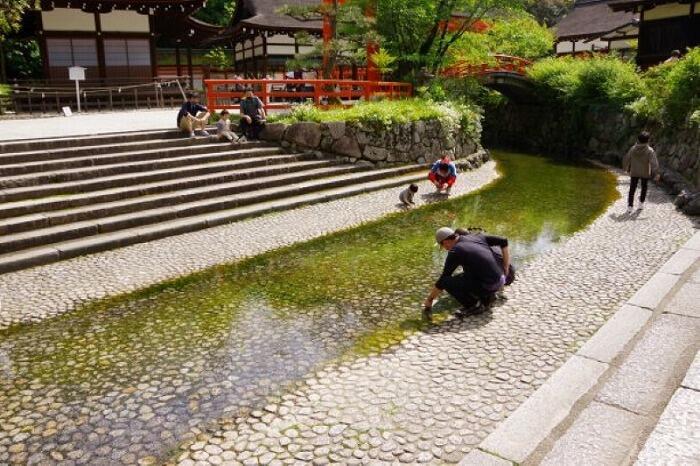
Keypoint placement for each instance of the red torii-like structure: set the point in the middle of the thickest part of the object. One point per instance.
(503, 64)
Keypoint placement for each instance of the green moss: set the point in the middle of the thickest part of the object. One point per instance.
(372, 279)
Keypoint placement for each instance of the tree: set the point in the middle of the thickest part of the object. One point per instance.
(350, 32)
(549, 12)
(218, 58)
(11, 12)
(519, 35)
(218, 12)
(422, 32)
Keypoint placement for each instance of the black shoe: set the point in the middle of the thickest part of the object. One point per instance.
(427, 314)
(474, 310)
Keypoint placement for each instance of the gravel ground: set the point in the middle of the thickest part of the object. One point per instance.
(34, 294)
(438, 394)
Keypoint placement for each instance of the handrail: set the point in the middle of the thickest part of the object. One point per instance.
(279, 93)
(504, 64)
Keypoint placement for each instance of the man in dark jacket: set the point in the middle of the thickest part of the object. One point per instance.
(483, 274)
(193, 116)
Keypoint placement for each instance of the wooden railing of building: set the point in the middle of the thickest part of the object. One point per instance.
(282, 93)
(499, 64)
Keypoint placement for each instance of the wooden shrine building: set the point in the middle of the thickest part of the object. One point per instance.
(664, 26)
(592, 26)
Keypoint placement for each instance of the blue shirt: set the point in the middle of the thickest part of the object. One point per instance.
(451, 168)
(190, 108)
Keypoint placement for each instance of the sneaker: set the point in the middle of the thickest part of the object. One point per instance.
(192, 134)
(242, 139)
(427, 314)
(205, 133)
(501, 296)
(464, 312)
(641, 207)
(630, 209)
(448, 190)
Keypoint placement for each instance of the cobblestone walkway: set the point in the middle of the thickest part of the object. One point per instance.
(34, 294)
(437, 395)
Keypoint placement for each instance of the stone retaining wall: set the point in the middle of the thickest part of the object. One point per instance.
(416, 142)
(600, 133)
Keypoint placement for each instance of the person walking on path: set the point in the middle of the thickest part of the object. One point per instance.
(641, 164)
(252, 115)
(482, 274)
(443, 174)
(193, 116)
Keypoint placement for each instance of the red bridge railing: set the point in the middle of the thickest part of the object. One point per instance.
(282, 93)
(500, 64)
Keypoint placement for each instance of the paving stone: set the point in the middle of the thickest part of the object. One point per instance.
(676, 437)
(519, 435)
(611, 338)
(692, 377)
(655, 290)
(601, 435)
(686, 301)
(693, 242)
(480, 458)
(648, 376)
(681, 261)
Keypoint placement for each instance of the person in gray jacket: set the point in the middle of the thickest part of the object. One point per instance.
(641, 164)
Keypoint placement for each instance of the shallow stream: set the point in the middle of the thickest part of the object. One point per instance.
(125, 378)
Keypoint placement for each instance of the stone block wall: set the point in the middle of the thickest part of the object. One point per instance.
(416, 142)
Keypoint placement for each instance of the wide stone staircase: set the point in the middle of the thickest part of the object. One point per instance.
(66, 197)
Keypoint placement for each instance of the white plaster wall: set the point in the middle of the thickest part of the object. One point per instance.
(67, 19)
(124, 21)
(670, 10)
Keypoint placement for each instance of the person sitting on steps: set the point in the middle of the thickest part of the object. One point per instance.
(252, 115)
(443, 174)
(223, 129)
(482, 275)
(193, 116)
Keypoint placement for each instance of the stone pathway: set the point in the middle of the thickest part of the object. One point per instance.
(437, 395)
(34, 294)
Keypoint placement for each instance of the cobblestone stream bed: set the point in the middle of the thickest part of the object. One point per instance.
(292, 356)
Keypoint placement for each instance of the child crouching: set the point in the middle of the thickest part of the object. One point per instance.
(223, 129)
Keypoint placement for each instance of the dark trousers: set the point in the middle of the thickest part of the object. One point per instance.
(466, 292)
(634, 181)
(252, 130)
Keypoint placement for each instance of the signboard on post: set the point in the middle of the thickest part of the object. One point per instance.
(77, 74)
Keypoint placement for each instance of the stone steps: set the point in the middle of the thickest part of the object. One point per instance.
(46, 219)
(268, 200)
(235, 161)
(82, 173)
(70, 161)
(47, 204)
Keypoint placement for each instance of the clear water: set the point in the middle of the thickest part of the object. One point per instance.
(127, 377)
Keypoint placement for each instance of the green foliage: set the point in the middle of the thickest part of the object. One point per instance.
(517, 34)
(672, 91)
(218, 57)
(600, 79)
(22, 59)
(384, 61)
(549, 12)
(4, 90)
(218, 12)
(418, 32)
(387, 113)
(11, 12)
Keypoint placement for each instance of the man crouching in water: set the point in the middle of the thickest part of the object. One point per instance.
(482, 273)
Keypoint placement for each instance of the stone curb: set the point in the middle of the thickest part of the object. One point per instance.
(517, 438)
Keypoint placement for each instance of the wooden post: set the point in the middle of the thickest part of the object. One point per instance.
(190, 69)
(178, 68)
(101, 61)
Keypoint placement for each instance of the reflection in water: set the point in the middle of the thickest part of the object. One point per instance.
(128, 377)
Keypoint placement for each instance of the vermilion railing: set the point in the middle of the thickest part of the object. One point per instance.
(282, 93)
(501, 64)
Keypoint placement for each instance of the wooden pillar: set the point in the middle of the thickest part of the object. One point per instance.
(178, 67)
(3, 66)
(264, 66)
(190, 68)
(152, 42)
(101, 62)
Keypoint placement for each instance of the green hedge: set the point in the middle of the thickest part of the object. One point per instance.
(668, 93)
(382, 114)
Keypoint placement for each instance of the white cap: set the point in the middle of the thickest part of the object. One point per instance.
(443, 233)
